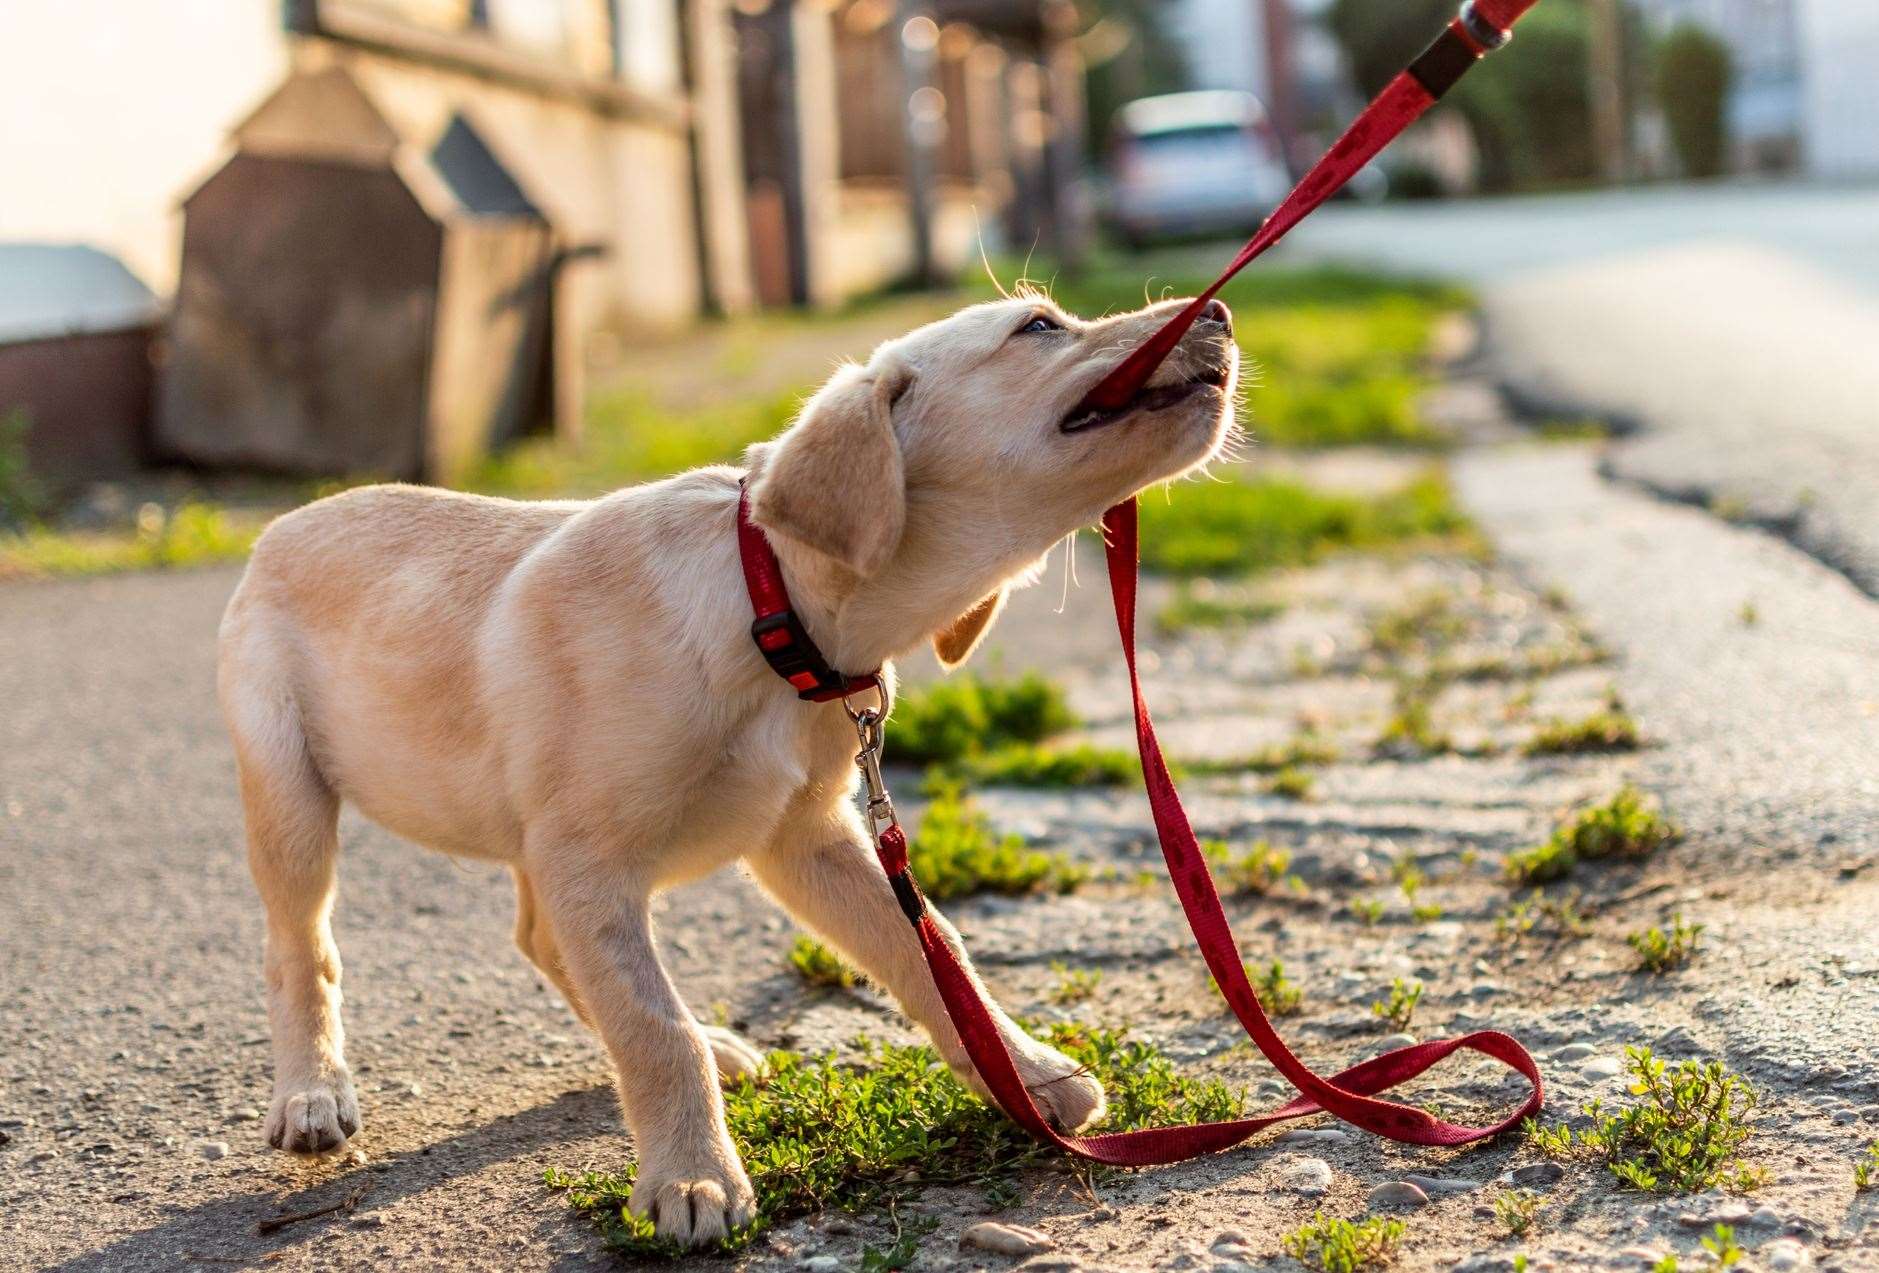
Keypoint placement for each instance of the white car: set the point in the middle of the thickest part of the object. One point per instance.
(1193, 163)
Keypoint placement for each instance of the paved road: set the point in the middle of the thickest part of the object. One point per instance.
(1736, 326)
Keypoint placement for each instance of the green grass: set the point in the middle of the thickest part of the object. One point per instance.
(817, 965)
(1345, 1246)
(1560, 916)
(1277, 993)
(1398, 1010)
(1411, 731)
(1291, 784)
(1660, 951)
(1201, 605)
(1367, 911)
(1259, 868)
(1517, 1209)
(1682, 1133)
(1073, 985)
(956, 854)
(1235, 528)
(817, 1135)
(1039, 765)
(965, 715)
(1610, 729)
(1302, 751)
(1866, 1170)
(193, 534)
(1626, 826)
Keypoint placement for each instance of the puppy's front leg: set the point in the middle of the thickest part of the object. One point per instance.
(691, 1183)
(829, 878)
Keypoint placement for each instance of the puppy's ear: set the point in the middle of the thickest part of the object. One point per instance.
(834, 480)
(954, 643)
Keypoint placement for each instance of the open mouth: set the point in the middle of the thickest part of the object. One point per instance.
(1154, 398)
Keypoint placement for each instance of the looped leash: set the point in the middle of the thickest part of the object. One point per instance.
(1350, 1094)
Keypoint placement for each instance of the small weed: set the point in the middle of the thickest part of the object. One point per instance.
(1425, 912)
(1410, 730)
(1291, 784)
(966, 716)
(1666, 1265)
(817, 1135)
(1517, 1209)
(1368, 911)
(1032, 765)
(1260, 868)
(1400, 1008)
(1749, 614)
(1430, 621)
(1202, 605)
(1722, 1247)
(1660, 951)
(905, 1251)
(1074, 985)
(1343, 1246)
(1562, 917)
(1684, 1135)
(955, 854)
(1866, 1170)
(1303, 750)
(1602, 731)
(817, 965)
(1624, 826)
(1277, 993)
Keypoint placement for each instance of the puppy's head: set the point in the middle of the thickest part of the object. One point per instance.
(959, 452)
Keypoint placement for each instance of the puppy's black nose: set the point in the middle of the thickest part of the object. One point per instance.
(1216, 311)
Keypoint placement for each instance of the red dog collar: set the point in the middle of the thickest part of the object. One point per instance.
(780, 636)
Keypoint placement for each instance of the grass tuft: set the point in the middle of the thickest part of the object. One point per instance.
(1399, 1009)
(1277, 993)
(1345, 1246)
(1291, 784)
(1517, 1209)
(817, 1134)
(1202, 605)
(817, 965)
(956, 854)
(1074, 985)
(953, 719)
(1683, 1134)
(1866, 1170)
(1035, 765)
(1660, 951)
(1561, 916)
(192, 535)
(1611, 729)
(1626, 826)
(1259, 868)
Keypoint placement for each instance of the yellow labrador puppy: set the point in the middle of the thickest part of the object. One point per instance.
(571, 689)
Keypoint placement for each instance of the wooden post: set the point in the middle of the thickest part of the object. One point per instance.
(924, 117)
(1606, 66)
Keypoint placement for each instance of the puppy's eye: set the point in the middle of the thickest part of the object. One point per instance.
(1042, 323)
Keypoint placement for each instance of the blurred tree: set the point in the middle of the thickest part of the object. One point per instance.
(1530, 110)
(1693, 77)
(1128, 56)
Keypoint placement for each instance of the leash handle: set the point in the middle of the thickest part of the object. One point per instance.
(1481, 27)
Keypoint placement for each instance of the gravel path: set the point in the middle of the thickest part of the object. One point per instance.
(134, 1059)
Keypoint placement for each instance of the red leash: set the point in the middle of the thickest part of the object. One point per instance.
(1350, 1094)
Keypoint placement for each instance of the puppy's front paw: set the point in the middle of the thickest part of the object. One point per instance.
(696, 1204)
(736, 1059)
(313, 1118)
(1066, 1092)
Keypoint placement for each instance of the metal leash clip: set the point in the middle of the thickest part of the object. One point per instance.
(868, 760)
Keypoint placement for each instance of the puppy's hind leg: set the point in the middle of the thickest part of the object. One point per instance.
(293, 848)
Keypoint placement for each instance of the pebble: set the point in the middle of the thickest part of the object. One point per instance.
(1389, 1042)
(1575, 1052)
(1786, 1253)
(1006, 1239)
(246, 1114)
(1722, 1211)
(822, 1264)
(1539, 1175)
(1396, 1194)
(1606, 1067)
(1765, 1216)
(1307, 1176)
(212, 1149)
(1227, 1237)
(1313, 1136)
(1437, 1186)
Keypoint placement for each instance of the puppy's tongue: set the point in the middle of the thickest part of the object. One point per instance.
(1399, 105)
